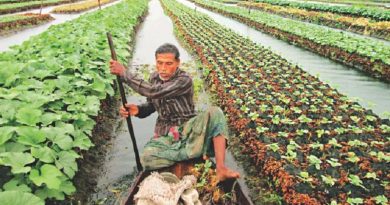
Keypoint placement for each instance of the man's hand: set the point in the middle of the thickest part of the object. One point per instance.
(116, 68)
(130, 109)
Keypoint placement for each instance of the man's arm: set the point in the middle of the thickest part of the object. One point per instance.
(145, 109)
(179, 86)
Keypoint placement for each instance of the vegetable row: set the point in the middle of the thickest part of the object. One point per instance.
(50, 92)
(359, 25)
(12, 1)
(315, 145)
(79, 7)
(24, 6)
(368, 55)
(379, 14)
(18, 21)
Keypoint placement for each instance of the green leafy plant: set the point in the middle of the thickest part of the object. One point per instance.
(328, 180)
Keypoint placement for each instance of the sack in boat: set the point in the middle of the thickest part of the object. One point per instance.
(167, 189)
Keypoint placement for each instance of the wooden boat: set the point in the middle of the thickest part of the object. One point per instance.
(182, 168)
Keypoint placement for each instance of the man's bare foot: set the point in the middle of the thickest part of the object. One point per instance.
(226, 173)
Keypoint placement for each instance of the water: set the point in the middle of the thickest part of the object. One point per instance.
(370, 92)
(156, 29)
(18, 37)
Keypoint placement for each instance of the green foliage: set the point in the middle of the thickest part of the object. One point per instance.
(375, 13)
(324, 143)
(19, 197)
(50, 91)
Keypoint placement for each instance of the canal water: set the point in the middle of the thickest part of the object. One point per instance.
(119, 166)
(369, 92)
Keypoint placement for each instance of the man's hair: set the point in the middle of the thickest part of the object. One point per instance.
(168, 48)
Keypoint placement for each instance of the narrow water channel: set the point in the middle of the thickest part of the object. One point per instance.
(156, 29)
(18, 37)
(370, 93)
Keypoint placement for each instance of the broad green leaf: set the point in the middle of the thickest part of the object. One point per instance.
(48, 174)
(68, 187)
(14, 147)
(44, 154)
(8, 94)
(9, 72)
(17, 161)
(59, 135)
(48, 118)
(81, 140)
(45, 193)
(30, 135)
(8, 109)
(28, 115)
(92, 105)
(16, 185)
(98, 85)
(6, 133)
(64, 141)
(3, 121)
(19, 197)
(67, 161)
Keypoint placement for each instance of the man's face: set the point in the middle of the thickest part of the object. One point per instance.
(166, 65)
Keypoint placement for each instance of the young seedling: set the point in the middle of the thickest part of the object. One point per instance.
(305, 177)
(317, 145)
(381, 199)
(313, 160)
(274, 147)
(329, 180)
(333, 162)
(334, 143)
(261, 129)
(354, 201)
(355, 180)
(352, 157)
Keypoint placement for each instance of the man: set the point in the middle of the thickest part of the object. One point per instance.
(180, 134)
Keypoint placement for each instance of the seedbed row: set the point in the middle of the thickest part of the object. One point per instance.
(315, 145)
(28, 5)
(370, 56)
(360, 25)
(379, 14)
(20, 21)
(80, 7)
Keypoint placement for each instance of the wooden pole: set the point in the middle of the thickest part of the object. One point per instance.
(124, 102)
(100, 7)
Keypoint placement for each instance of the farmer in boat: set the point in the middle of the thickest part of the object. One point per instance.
(180, 134)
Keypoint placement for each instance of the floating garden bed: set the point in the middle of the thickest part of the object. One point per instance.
(379, 14)
(314, 144)
(13, 1)
(364, 26)
(24, 6)
(80, 7)
(372, 57)
(51, 89)
(21, 21)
